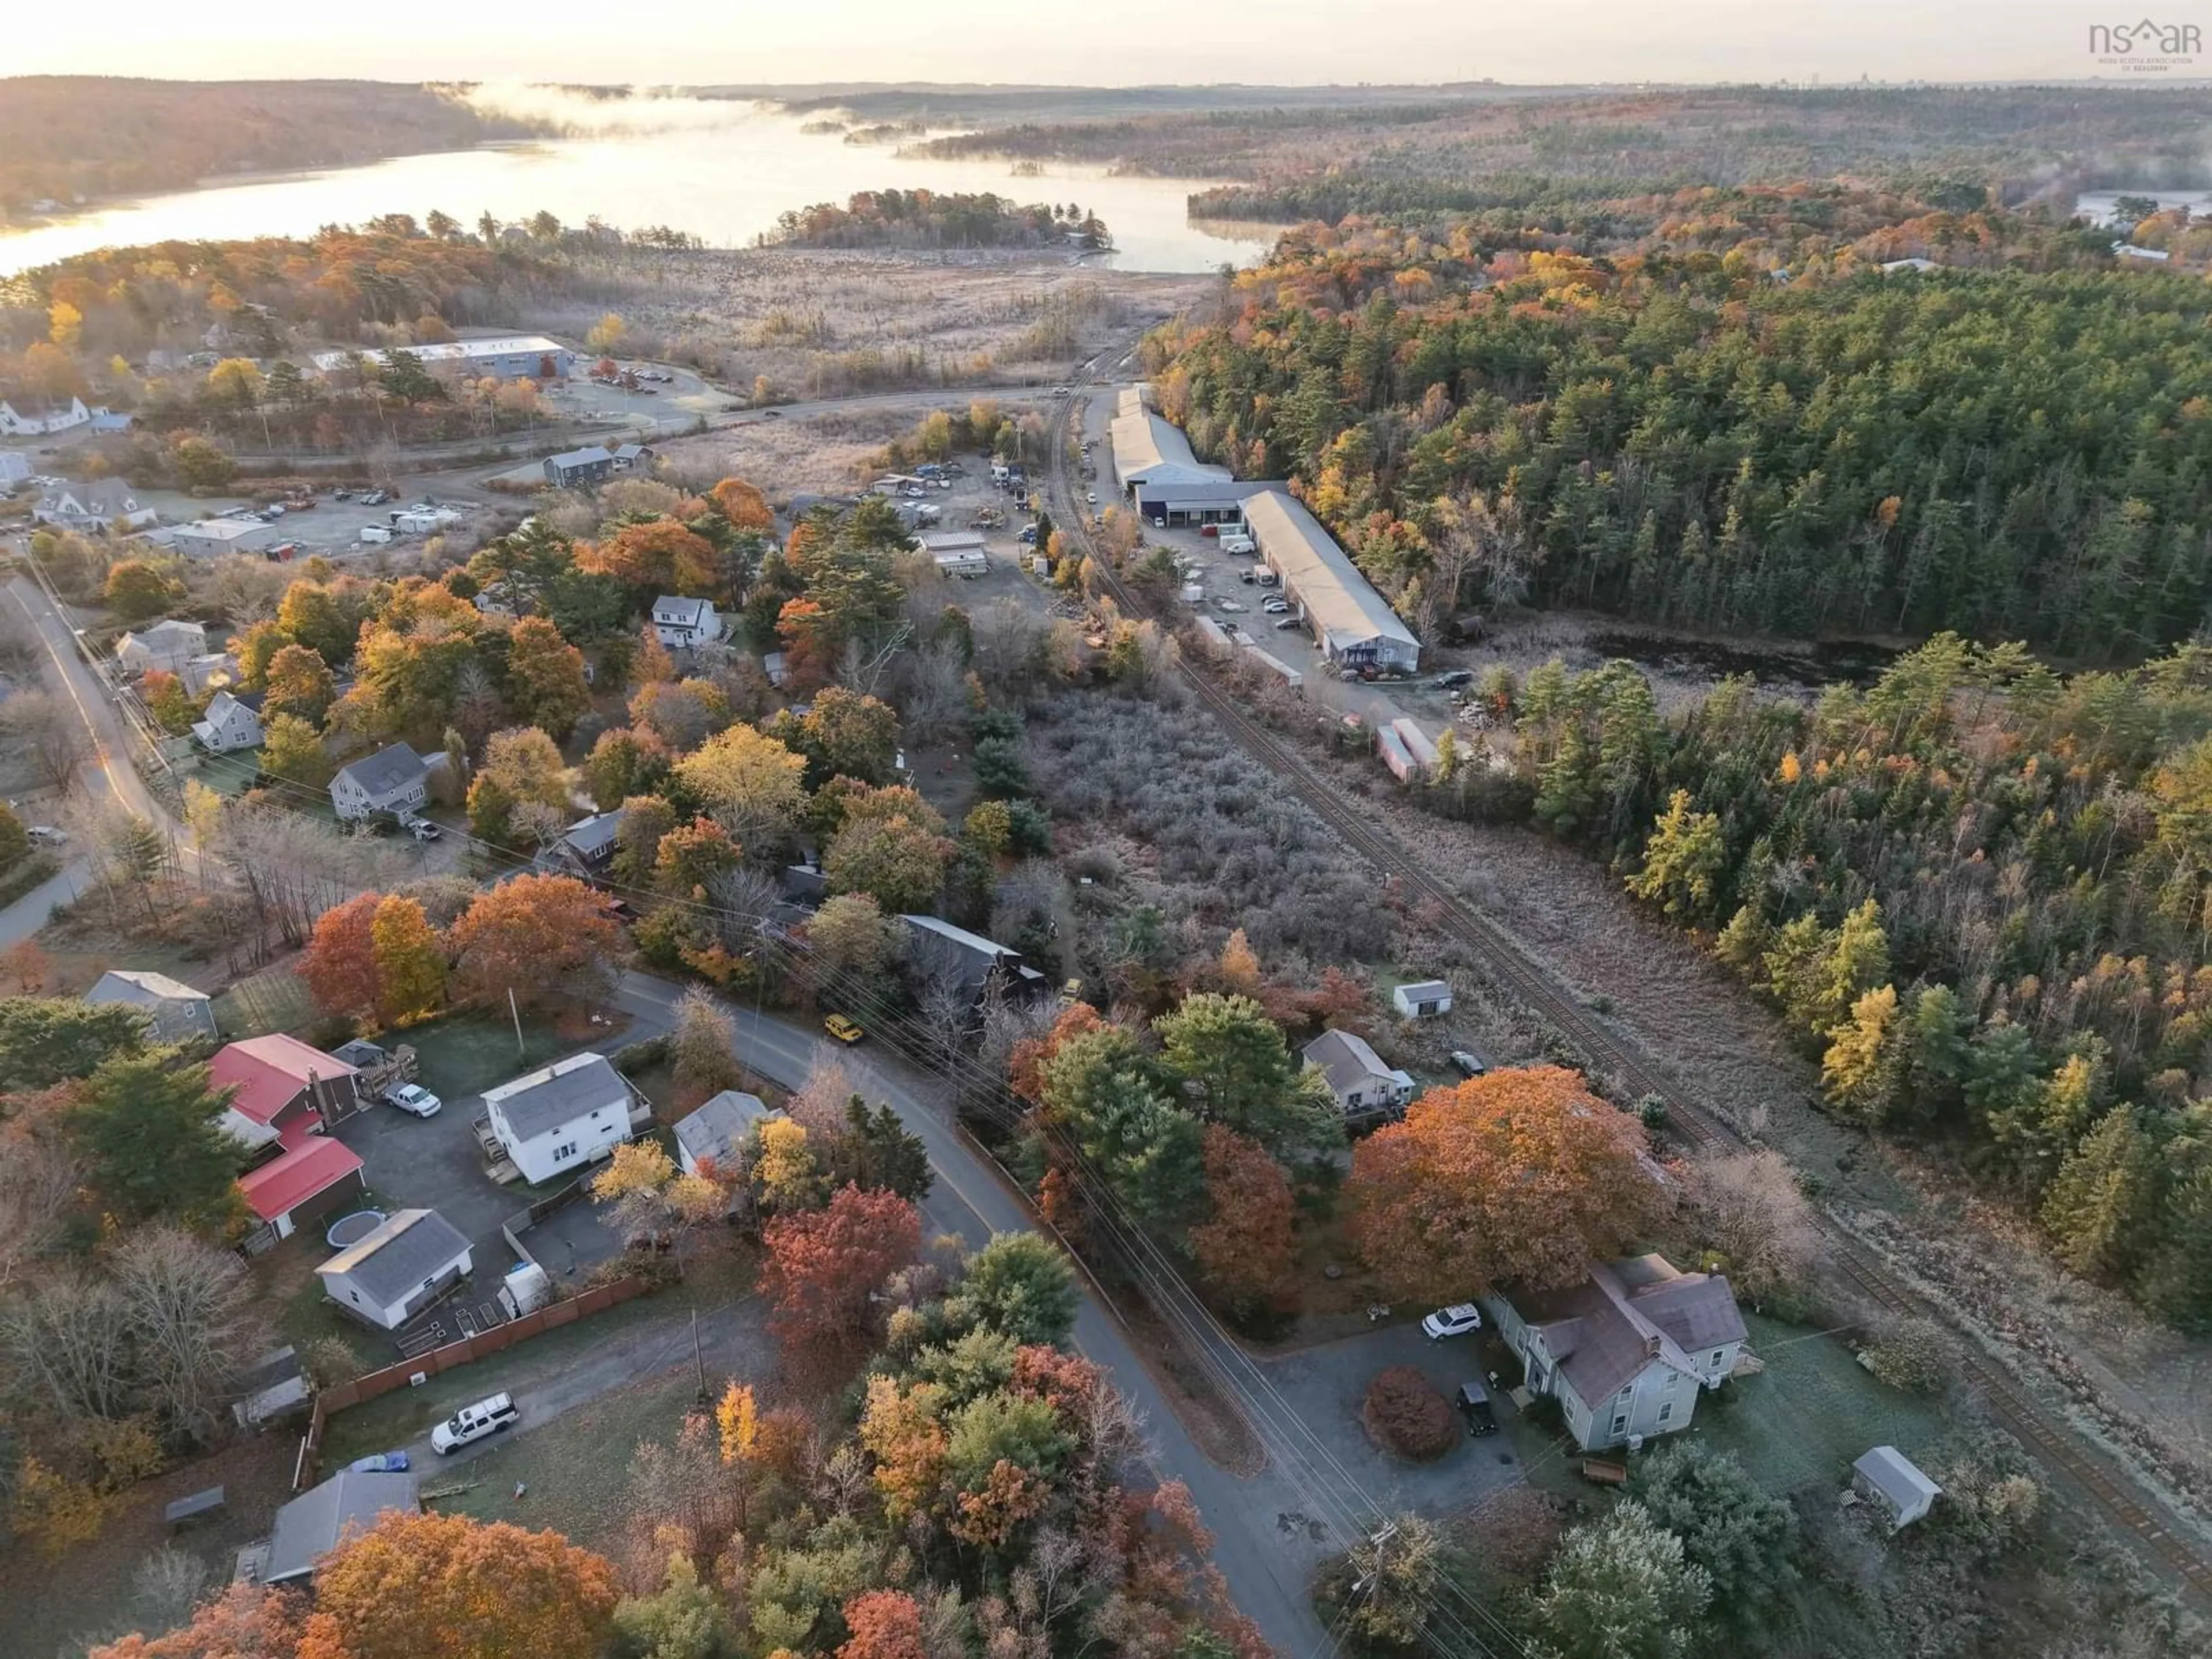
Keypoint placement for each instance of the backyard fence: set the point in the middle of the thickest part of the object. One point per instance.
(330, 1402)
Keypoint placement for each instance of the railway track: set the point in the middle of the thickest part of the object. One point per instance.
(2028, 1418)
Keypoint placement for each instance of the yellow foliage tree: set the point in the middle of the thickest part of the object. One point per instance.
(738, 1416)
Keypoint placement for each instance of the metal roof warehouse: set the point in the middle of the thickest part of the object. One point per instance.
(518, 356)
(1354, 623)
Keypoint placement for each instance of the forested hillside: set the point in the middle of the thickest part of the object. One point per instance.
(1739, 423)
(927, 218)
(62, 136)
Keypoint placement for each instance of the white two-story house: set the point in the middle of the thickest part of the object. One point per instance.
(27, 416)
(556, 1121)
(392, 780)
(1625, 1351)
(685, 622)
(230, 723)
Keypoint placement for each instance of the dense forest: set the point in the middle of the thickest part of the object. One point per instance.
(927, 219)
(1742, 424)
(1463, 148)
(66, 136)
(1981, 895)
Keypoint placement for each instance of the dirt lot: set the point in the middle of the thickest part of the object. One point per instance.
(825, 325)
(825, 453)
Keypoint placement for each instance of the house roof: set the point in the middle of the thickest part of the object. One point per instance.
(560, 1093)
(974, 943)
(1621, 1317)
(225, 530)
(408, 1247)
(721, 1125)
(1341, 604)
(267, 1072)
(589, 455)
(31, 409)
(166, 638)
(1347, 1059)
(386, 771)
(1150, 448)
(219, 706)
(319, 1519)
(1423, 990)
(1894, 1475)
(632, 452)
(589, 837)
(284, 1183)
(141, 987)
(688, 613)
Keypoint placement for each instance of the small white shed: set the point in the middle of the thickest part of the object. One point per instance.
(1423, 998)
(1890, 1480)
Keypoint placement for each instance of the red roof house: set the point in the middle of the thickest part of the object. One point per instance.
(307, 1182)
(285, 1093)
(270, 1073)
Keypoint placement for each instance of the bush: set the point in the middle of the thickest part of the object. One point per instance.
(1405, 1414)
(646, 1052)
(1912, 1357)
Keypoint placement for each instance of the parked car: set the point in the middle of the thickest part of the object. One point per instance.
(391, 1462)
(422, 829)
(414, 1099)
(488, 1416)
(1457, 676)
(341, 494)
(1090, 497)
(376, 498)
(1287, 623)
(1469, 1064)
(1457, 1320)
(1277, 607)
(46, 836)
(845, 1030)
(1475, 1407)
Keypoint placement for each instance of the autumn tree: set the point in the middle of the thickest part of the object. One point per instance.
(292, 751)
(1682, 862)
(139, 590)
(545, 683)
(751, 784)
(624, 761)
(660, 554)
(245, 1621)
(340, 962)
(548, 939)
(1517, 1177)
(432, 1586)
(884, 1625)
(850, 934)
(822, 1264)
(843, 734)
(299, 684)
(410, 961)
(743, 505)
(1246, 1246)
(1242, 1073)
(897, 860)
(704, 1045)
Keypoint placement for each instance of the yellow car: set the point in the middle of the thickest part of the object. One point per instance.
(843, 1030)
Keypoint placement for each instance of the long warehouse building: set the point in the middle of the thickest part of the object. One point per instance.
(1354, 625)
(1163, 479)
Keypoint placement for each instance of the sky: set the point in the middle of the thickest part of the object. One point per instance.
(1283, 42)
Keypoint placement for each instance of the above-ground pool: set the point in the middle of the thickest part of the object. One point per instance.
(348, 1230)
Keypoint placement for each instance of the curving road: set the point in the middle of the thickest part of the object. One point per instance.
(1266, 1559)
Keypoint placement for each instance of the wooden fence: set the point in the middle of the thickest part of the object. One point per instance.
(551, 1318)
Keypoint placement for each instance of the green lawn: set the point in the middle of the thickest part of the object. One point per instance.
(228, 775)
(574, 1470)
(274, 1000)
(1813, 1411)
(465, 1053)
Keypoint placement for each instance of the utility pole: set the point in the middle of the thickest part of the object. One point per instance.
(517, 1013)
(698, 1358)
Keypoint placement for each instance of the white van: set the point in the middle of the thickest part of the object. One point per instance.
(474, 1422)
(1234, 542)
(374, 532)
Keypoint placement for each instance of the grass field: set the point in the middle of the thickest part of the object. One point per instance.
(467, 1054)
(274, 1000)
(1813, 1411)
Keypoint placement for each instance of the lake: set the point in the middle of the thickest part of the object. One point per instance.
(721, 171)
(2096, 205)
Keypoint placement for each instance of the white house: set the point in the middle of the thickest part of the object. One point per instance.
(1891, 1481)
(556, 1120)
(1424, 998)
(231, 724)
(685, 622)
(26, 416)
(1357, 1075)
(390, 780)
(97, 506)
(176, 1012)
(717, 1131)
(413, 1258)
(1627, 1350)
(169, 646)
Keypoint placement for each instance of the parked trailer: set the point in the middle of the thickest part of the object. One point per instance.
(1216, 641)
(1396, 756)
(1417, 743)
(1291, 676)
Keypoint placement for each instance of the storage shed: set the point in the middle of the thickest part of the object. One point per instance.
(1894, 1484)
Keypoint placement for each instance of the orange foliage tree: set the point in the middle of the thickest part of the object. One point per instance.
(885, 1624)
(743, 505)
(822, 1264)
(445, 1587)
(339, 965)
(1025, 1069)
(660, 554)
(546, 937)
(1245, 1249)
(1520, 1176)
(247, 1621)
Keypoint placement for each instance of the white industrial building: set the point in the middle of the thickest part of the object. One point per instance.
(509, 357)
(210, 537)
(1354, 625)
(956, 552)
(1153, 459)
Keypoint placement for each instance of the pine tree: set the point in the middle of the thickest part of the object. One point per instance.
(2097, 1206)
(1860, 1071)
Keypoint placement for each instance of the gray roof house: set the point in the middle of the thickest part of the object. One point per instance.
(575, 467)
(386, 781)
(93, 507)
(321, 1518)
(1895, 1486)
(411, 1259)
(230, 723)
(1627, 1349)
(585, 848)
(177, 1013)
(718, 1129)
(1357, 1075)
(630, 457)
(167, 645)
(562, 1117)
(681, 622)
(938, 949)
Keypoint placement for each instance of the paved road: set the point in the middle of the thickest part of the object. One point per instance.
(1265, 1556)
(28, 913)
